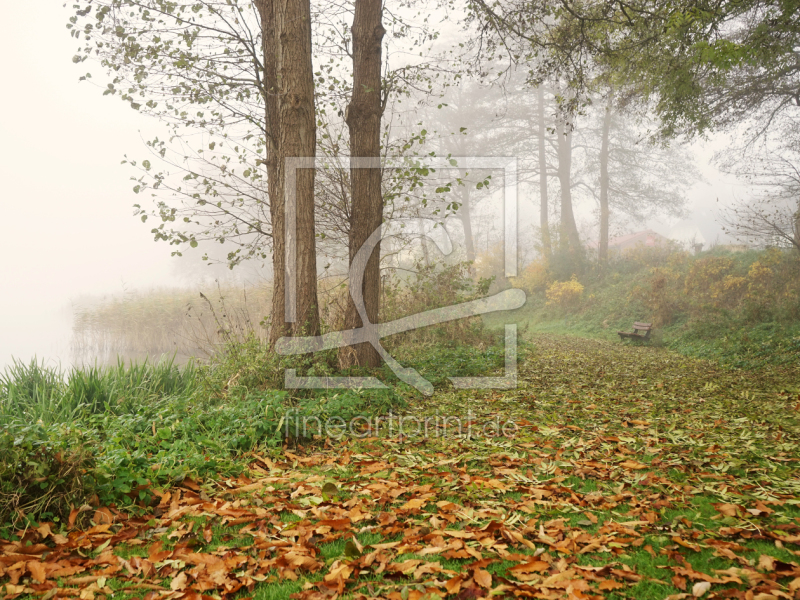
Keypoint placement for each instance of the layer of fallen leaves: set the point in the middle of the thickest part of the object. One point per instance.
(633, 473)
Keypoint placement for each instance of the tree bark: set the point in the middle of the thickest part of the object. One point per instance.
(363, 117)
(604, 181)
(569, 239)
(279, 326)
(797, 228)
(298, 139)
(544, 222)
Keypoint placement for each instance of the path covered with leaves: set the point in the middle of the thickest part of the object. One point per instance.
(632, 473)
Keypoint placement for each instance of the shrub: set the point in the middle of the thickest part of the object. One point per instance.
(565, 294)
(661, 295)
(45, 470)
(535, 277)
(436, 286)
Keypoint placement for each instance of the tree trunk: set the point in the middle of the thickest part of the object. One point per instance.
(569, 238)
(363, 119)
(279, 326)
(603, 246)
(465, 213)
(544, 222)
(298, 139)
(797, 228)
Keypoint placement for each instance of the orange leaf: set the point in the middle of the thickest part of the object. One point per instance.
(483, 578)
(632, 465)
(610, 584)
(179, 583)
(453, 585)
(529, 567)
(37, 571)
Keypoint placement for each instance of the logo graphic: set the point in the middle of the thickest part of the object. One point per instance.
(374, 332)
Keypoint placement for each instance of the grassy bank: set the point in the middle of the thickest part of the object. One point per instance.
(122, 435)
(739, 308)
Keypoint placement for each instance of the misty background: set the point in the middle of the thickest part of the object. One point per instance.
(68, 231)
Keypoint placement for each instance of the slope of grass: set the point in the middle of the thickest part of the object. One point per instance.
(741, 309)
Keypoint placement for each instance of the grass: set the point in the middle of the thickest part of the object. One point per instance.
(739, 309)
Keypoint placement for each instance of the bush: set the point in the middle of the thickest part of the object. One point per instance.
(45, 470)
(565, 294)
(434, 286)
(534, 278)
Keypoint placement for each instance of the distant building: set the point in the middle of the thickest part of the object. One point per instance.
(647, 238)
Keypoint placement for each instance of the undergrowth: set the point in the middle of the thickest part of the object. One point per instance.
(120, 435)
(741, 309)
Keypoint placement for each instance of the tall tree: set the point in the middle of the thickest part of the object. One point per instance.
(266, 10)
(604, 180)
(363, 117)
(701, 65)
(226, 75)
(544, 209)
(298, 139)
(568, 238)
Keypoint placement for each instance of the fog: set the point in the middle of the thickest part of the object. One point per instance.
(67, 224)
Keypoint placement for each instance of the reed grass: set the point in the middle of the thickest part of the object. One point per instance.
(186, 323)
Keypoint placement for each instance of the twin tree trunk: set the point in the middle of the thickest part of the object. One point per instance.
(288, 89)
(363, 117)
(569, 239)
(604, 182)
(544, 224)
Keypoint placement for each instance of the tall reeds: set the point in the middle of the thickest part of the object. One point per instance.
(169, 321)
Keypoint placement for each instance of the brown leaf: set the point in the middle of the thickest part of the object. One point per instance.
(483, 578)
(766, 562)
(529, 567)
(632, 465)
(103, 515)
(729, 510)
(37, 571)
(180, 582)
(414, 504)
(610, 584)
(679, 582)
(453, 585)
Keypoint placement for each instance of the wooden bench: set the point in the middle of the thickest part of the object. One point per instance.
(641, 331)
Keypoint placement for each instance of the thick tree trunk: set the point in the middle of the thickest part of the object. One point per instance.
(298, 139)
(363, 119)
(279, 328)
(544, 221)
(569, 238)
(465, 213)
(604, 181)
